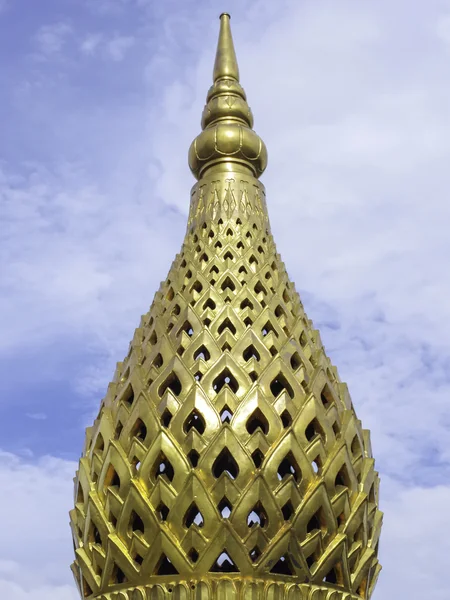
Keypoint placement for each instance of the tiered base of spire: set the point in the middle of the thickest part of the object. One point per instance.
(228, 588)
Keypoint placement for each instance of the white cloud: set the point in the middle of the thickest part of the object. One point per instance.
(35, 545)
(119, 46)
(90, 43)
(50, 39)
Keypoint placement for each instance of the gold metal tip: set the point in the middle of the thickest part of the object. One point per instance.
(226, 62)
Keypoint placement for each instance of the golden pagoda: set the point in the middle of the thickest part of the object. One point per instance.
(226, 460)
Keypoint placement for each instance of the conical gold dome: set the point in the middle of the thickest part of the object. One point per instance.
(226, 460)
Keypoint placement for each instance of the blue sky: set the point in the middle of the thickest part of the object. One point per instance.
(99, 103)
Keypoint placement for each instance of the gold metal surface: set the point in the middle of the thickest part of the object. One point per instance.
(226, 460)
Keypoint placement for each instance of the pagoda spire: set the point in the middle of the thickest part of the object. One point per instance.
(227, 142)
(226, 460)
(225, 64)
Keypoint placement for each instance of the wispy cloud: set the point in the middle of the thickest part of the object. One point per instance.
(51, 39)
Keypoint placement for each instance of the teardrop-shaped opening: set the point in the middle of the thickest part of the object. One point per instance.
(225, 463)
(162, 510)
(112, 479)
(258, 458)
(251, 352)
(289, 466)
(194, 421)
(225, 378)
(166, 417)
(171, 383)
(225, 507)
(314, 428)
(295, 361)
(136, 523)
(287, 510)
(193, 516)
(326, 396)
(226, 415)
(257, 516)
(254, 553)
(128, 396)
(202, 353)
(315, 522)
(158, 361)
(228, 285)
(226, 324)
(139, 430)
(286, 418)
(342, 478)
(280, 384)
(163, 468)
(257, 420)
(193, 457)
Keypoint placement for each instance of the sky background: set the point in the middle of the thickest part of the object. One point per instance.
(99, 101)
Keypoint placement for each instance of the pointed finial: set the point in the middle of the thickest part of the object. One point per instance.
(227, 142)
(225, 64)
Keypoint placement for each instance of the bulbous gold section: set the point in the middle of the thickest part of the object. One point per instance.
(226, 460)
(227, 141)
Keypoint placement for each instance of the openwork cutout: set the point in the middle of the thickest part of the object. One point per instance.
(287, 467)
(295, 361)
(280, 384)
(193, 555)
(194, 421)
(158, 362)
(283, 566)
(251, 352)
(227, 324)
(342, 478)
(225, 507)
(225, 463)
(172, 383)
(128, 396)
(286, 418)
(267, 328)
(187, 328)
(224, 564)
(162, 510)
(136, 523)
(326, 396)
(316, 521)
(209, 303)
(257, 516)
(166, 417)
(254, 553)
(117, 575)
(165, 567)
(228, 285)
(163, 468)
(258, 458)
(314, 428)
(287, 510)
(139, 430)
(257, 420)
(193, 517)
(225, 378)
(202, 353)
(112, 479)
(193, 457)
(226, 415)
